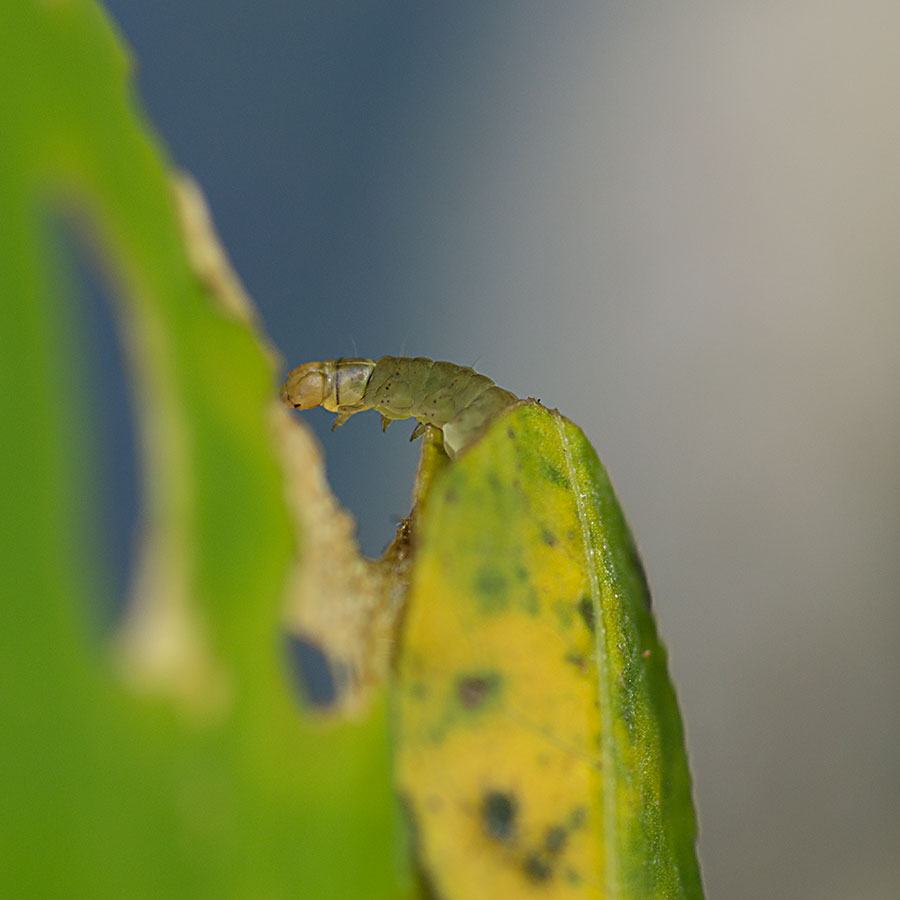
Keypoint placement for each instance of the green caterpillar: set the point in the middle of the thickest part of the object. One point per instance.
(456, 399)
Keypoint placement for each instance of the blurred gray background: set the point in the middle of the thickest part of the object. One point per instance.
(679, 224)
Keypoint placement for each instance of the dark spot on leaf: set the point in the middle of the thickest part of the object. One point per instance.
(474, 690)
(537, 868)
(498, 815)
(555, 839)
(510, 433)
(490, 585)
(553, 475)
(312, 670)
(451, 496)
(576, 659)
(578, 817)
(548, 537)
(586, 608)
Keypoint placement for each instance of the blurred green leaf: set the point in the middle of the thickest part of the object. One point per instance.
(202, 778)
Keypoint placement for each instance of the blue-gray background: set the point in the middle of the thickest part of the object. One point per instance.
(679, 224)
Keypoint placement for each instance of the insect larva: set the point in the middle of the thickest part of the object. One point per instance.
(456, 399)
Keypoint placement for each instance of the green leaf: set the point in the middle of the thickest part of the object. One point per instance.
(169, 760)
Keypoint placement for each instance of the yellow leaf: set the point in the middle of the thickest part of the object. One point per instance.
(539, 747)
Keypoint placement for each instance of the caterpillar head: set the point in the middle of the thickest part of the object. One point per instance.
(334, 384)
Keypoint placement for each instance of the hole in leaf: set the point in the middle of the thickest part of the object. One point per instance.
(109, 498)
(312, 672)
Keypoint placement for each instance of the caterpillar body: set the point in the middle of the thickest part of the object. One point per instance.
(456, 399)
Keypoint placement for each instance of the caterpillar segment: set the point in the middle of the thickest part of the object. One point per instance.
(456, 399)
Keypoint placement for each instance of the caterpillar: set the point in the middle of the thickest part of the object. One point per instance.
(456, 399)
